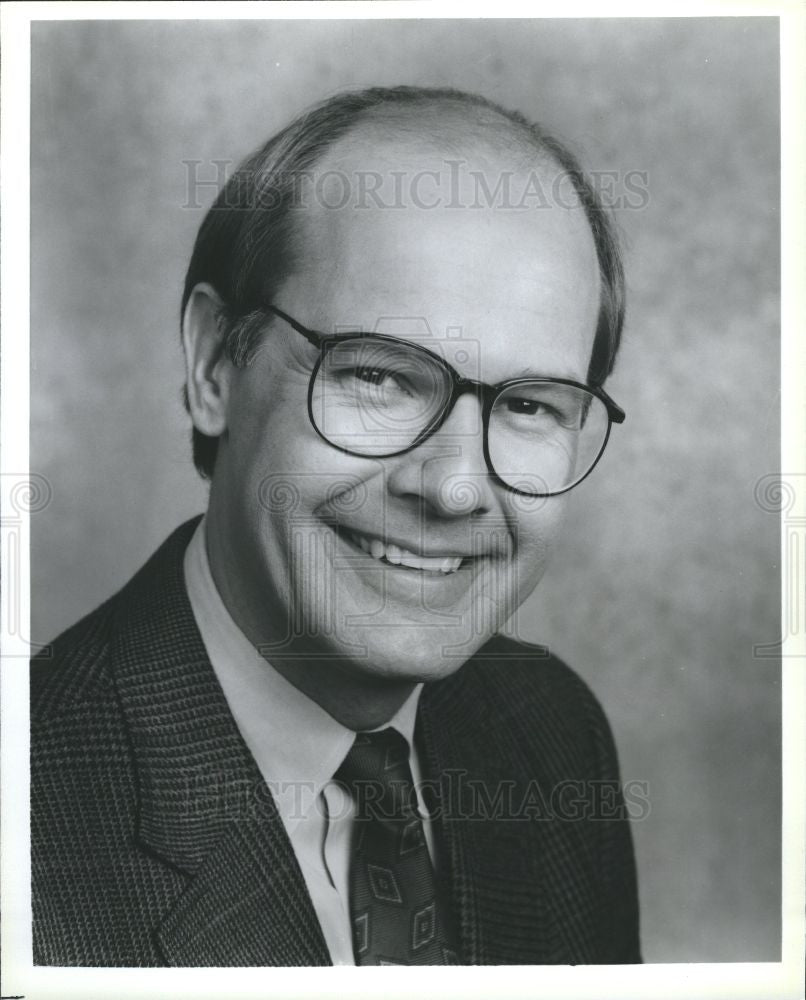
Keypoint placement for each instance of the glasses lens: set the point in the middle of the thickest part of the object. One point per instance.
(375, 397)
(544, 437)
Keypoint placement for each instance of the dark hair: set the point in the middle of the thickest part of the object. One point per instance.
(245, 245)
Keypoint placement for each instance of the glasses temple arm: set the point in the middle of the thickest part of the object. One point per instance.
(313, 338)
(615, 412)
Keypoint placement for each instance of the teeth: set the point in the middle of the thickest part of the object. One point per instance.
(394, 554)
(423, 562)
(401, 557)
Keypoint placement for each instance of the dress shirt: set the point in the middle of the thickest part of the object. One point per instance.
(298, 747)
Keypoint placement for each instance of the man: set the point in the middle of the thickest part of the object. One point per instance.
(294, 738)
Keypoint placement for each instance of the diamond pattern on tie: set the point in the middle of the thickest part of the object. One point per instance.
(383, 883)
(423, 926)
(411, 836)
(361, 933)
(399, 916)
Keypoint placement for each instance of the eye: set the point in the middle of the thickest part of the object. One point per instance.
(392, 383)
(373, 376)
(529, 407)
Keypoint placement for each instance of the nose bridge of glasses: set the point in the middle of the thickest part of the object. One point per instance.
(461, 432)
(483, 392)
(460, 422)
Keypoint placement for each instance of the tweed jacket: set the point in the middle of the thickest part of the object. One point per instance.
(155, 841)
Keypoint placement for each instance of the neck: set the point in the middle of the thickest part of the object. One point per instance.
(357, 702)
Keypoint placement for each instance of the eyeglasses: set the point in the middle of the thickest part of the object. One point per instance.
(372, 395)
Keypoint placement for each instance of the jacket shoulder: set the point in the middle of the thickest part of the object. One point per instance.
(73, 664)
(532, 690)
(528, 676)
(77, 664)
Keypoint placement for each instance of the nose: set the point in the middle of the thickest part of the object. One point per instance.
(448, 471)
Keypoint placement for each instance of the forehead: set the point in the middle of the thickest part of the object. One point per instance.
(468, 238)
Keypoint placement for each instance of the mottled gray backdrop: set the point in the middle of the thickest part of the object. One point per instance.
(668, 575)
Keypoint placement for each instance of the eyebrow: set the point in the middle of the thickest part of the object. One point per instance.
(535, 373)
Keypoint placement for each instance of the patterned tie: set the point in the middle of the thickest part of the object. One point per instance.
(397, 915)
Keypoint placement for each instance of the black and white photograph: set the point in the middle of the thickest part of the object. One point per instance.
(411, 557)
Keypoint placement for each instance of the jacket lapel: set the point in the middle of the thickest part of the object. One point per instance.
(204, 808)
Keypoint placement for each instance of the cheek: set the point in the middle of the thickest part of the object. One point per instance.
(289, 475)
(536, 525)
(269, 434)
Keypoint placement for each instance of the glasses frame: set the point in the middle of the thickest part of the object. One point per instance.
(485, 393)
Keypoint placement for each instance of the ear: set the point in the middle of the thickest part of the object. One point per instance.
(207, 368)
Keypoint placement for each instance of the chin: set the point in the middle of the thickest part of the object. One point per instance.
(417, 662)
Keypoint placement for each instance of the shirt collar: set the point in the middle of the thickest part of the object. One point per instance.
(297, 745)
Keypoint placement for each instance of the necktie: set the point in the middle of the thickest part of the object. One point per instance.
(398, 917)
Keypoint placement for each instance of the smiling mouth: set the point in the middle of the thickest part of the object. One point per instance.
(394, 555)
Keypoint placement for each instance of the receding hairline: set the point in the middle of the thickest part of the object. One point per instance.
(446, 124)
(478, 141)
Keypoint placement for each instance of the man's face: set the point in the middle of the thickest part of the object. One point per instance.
(306, 528)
